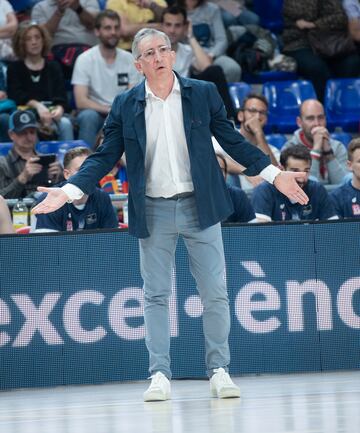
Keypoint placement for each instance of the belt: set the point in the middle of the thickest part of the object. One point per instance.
(180, 195)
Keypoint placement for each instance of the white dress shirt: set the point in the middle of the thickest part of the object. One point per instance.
(167, 162)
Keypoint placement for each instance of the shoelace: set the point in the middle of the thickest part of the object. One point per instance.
(156, 379)
(223, 376)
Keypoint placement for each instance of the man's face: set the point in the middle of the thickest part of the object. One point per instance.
(156, 59)
(24, 140)
(108, 33)
(175, 27)
(253, 108)
(298, 165)
(312, 115)
(354, 164)
(74, 166)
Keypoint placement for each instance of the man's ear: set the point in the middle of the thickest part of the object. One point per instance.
(299, 122)
(240, 116)
(138, 66)
(66, 173)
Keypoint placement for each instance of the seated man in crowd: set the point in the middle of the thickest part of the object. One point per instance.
(243, 210)
(346, 197)
(253, 118)
(92, 211)
(270, 205)
(21, 170)
(191, 59)
(71, 24)
(100, 74)
(328, 155)
(6, 225)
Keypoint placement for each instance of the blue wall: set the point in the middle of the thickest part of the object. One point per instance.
(71, 305)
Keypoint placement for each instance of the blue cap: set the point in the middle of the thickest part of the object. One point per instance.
(22, 119)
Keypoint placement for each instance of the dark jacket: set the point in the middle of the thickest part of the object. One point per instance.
(204, 115)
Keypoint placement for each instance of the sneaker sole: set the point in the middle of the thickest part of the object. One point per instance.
(156, 396)
(226, 393)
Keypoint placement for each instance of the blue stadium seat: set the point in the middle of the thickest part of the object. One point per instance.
(276, 140)
(4, 148)
(22, 5)
(342, 104)
(285, 98)
(270, 13)
(59, 147)
(238, 92)
(344, 137)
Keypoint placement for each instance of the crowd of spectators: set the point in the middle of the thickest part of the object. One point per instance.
(62, 63)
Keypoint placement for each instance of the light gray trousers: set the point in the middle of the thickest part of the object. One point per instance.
(166, 220)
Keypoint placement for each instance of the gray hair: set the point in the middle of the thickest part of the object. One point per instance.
(146, 33)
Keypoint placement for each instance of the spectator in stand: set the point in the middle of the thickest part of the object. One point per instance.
(209, 30)
(243, 210)
(235, 13)
(191, 59)
(71, 25)
(346, 197)
(300, 18)
(328, 155)
(20, 170)
(38, 83)
(6, 225)
(136, 14)
(94, 211)
(352, 10)
(271, 205)
(4, 114)
(8, 27)
(100, 74)
(252, 117)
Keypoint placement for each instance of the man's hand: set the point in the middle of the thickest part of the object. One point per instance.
(253, 126)
(30, 169)
(286, 183)
(55, 199)
(321, 138)
(303, 24)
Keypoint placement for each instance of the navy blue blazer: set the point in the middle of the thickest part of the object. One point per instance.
(204, 115)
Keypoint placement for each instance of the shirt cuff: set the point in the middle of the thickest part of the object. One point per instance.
(269, 173)
(72, 191)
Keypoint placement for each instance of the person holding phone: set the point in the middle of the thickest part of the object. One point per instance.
(22, 170)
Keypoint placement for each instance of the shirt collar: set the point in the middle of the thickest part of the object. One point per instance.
(175, 89)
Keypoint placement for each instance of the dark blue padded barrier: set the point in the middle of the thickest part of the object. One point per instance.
(71, 305)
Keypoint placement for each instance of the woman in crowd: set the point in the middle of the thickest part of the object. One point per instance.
(306, 18)
(209, 30)
(38, 83)
(8, 26)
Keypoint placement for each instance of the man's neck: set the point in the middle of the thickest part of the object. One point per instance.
(175, 46)
(161, 89)
(109, 54)
(355, 182)
(25, 154)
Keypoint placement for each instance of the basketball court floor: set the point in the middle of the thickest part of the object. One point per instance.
(297, 403)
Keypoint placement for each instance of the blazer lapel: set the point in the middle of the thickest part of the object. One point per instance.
(139, 121)
(187, 106)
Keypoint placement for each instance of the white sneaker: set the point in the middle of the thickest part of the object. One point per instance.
(159, 389)
(222, 386)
